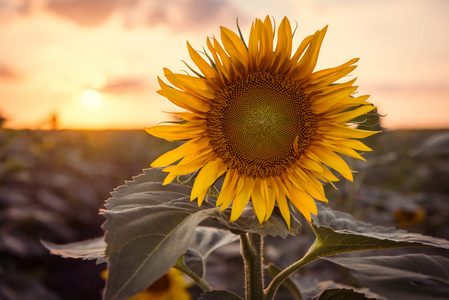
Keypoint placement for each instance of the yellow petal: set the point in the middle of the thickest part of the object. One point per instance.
(266, 44)
(187, 148)
(234, 47)
(282, 201)
(187, 167)
(305, 185)
(326, 82)
(258, 200)
(221, 67)
(232, 72)
(326, 73)
(228, 190)
(326, 175)
(176, 132)
(204, 66)
(310, 164)
(308, 62)
(272, 195)
(344, 117)
(170, 177)
(355, 144)
(343, 150)
(207, 176)
(191, 84)
(242, 197)
(344, 132)
(253, 46)
(321, 103)
(283, 47)
(302, 47)
(332, 160)
(201, 196)
(296, 202)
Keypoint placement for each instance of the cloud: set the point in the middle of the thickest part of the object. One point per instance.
(9, 9)
(8, 73)
(84, 13)
(189, 14)
(179, 15)
(125, 85)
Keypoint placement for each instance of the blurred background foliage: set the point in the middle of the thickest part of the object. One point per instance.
(53, 183)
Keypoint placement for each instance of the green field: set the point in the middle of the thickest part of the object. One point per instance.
(53, 184)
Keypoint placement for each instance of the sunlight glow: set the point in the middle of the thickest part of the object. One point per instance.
(91, 98)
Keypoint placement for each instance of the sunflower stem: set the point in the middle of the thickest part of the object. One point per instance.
(252, 245)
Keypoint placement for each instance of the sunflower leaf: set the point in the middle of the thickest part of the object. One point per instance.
(410, 276)
(341, 294)
(206, 241)
(148, 226)
(87, 250)
(338, 232)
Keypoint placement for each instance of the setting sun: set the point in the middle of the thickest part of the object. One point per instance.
(91, 98)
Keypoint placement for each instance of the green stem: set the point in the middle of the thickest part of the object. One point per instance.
(252, 245)
(277, 281)
(181, 266)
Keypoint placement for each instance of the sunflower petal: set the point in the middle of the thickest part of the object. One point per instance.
(282, 201)
(344, 132)
(228, 190)
(204, 67)
(235, 48)
(183, 99)
(206, 177)
(333, 160)
(283, 47)
(242, 197)
(193, 145)
(258, 200)
(272, 195)
(191, 84)
(345, 117)
(320, 103)
(176, 132)
(326, 73)
(308, 61)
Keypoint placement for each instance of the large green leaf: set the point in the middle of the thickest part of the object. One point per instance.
(411, 276)
(148, 226)
(352, 236)
(338, 232)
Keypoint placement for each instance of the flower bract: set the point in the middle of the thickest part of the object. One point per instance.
(258, 114)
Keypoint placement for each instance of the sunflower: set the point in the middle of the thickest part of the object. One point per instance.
(171, 286)
(260, 116)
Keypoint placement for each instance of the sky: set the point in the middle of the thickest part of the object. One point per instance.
(94, 64)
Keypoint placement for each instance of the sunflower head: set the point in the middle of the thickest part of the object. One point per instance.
(259, 115)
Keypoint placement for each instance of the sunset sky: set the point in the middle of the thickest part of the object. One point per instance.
(95, 64)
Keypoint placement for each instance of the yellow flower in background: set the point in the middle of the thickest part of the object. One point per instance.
(170, 286)
(259, 114)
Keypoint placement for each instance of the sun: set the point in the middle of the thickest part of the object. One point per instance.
(91, 98)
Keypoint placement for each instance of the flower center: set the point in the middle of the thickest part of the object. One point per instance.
(260, 124)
